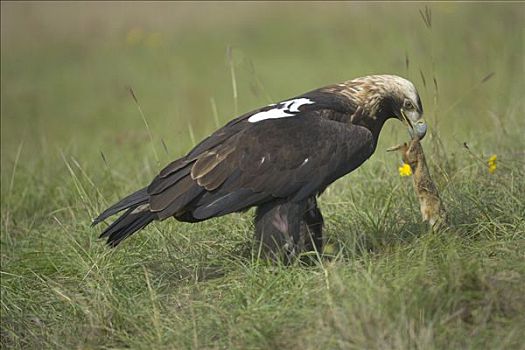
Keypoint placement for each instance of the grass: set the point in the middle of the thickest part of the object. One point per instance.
(74, 141)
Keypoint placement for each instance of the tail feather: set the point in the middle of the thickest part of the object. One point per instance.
(127, 224)
(133, 200)
(136, 217)
(113, 225)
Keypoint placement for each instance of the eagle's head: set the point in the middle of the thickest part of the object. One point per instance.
(388, 96)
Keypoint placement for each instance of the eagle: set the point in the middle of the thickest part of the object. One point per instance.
(278, 158)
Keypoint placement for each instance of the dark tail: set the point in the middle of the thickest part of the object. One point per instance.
(133, 200)
(133, 219)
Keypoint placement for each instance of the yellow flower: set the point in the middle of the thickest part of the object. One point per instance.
(492, 163)
(405, 170)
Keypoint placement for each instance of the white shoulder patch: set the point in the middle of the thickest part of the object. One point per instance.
(281, 110)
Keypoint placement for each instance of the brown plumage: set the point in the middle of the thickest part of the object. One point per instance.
(278, 158)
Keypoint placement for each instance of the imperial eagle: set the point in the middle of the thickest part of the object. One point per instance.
(278, 158)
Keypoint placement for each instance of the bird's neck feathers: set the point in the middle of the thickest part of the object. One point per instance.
(375, 95)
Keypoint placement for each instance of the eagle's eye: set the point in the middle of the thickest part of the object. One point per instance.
(408, 105)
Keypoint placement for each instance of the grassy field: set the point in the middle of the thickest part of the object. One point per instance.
(73, 141)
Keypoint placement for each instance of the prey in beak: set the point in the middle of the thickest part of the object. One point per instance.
(417, 127)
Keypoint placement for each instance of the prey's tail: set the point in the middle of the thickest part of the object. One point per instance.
(136, 217)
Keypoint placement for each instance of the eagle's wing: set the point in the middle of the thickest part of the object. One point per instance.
(293, 149)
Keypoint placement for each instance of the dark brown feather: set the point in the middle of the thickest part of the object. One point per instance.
(160, 184)
(216, 176)
(173, 167)
(209, 160)
(162, 200)
(178, 205)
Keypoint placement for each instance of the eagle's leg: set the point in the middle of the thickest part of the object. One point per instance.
(312, 227)
(278, 229)
(283, 230)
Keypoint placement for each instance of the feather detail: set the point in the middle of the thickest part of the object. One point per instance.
(209, 160)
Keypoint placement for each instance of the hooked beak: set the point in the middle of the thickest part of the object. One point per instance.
(416, 128)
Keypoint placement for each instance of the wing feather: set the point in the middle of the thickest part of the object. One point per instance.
(304, 166)
(209, 160)
(245, 163)
(161, 184)
(178, 206)
(160, 201)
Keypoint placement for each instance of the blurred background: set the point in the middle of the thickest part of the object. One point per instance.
(67, 66)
